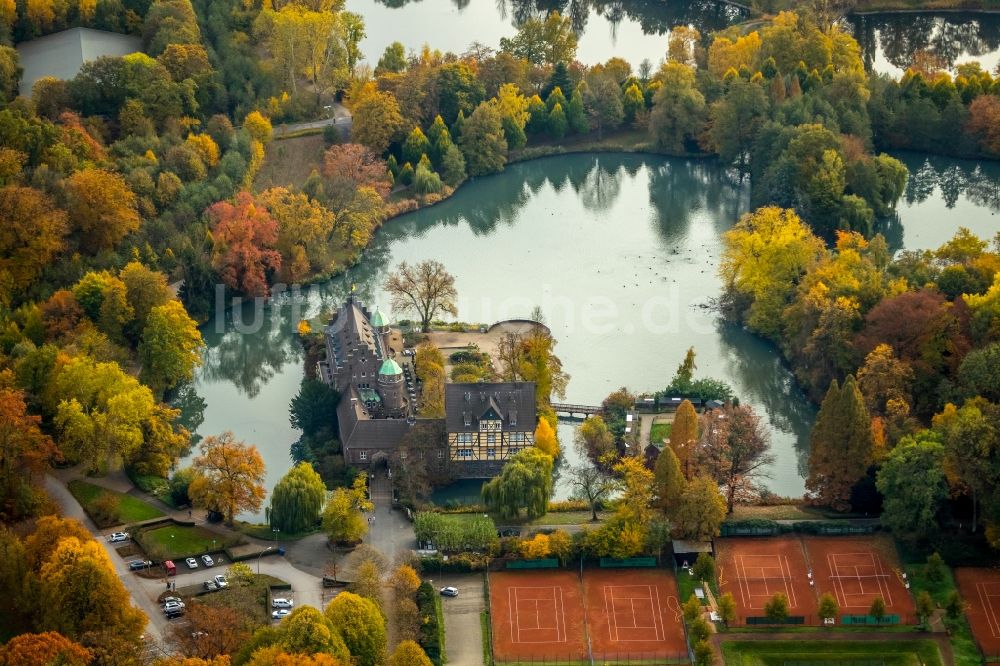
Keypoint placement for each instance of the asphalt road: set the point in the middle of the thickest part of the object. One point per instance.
(145, 592)
(463, 631)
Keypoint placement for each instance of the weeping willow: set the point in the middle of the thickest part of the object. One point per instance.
(524, 483)
(297, 500)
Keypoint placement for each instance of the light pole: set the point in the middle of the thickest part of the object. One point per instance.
(259, 555)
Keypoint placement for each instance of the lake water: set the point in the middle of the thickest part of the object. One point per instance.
(639, 29)
(621, 253)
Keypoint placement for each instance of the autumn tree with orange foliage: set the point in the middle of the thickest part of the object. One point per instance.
(24, 454)
(102, 208)
(229, 476)
(33, 234)
(44, 649)
(211, 631)
(984, 122)
(244, 236)
(348, 166)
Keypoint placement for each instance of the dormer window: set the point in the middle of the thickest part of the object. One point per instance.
(512, 417)
(467, 417)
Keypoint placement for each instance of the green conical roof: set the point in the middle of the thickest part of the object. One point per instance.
(379, 320)
(390, 368)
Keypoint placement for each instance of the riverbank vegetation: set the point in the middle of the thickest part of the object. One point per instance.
(130, 211)
(903, 351)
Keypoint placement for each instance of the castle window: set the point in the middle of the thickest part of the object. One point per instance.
(362, 455)
(402, 455)
(440, 454)
(491, 453)
(464, 438)
(517, 437)
(464, 453)
(491, 438)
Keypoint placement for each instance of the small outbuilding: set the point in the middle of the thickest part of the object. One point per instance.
(686, 552)
(62, 54)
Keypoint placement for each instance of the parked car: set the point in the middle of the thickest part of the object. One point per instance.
(221, 581)
(191, 562)
(207, 559)
(449, 591)
(211, 585)
(168, 600)
(173, 605)
(282, 603)
(118, 536)
(138, 565)
(174, 614)
(278, 614)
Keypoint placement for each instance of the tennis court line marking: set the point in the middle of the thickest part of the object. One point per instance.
(659, 631)
(558, 614)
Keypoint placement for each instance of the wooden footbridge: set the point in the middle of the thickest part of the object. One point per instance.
(574, 411)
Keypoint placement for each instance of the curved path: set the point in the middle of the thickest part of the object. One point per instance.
(341, 117)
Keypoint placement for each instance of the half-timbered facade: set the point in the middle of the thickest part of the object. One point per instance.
(488, 423)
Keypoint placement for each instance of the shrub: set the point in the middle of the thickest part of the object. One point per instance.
(105, 509)
(431, 631)
(777, 608)
(704, 567)
(935, 568)
(699, 630)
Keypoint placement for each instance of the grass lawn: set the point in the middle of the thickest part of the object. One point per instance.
(777, 653)
(264, 532)
(107, 507)
(687, 584)
(290, 161)
(250, 601)
(963, 645)
(176, 542)
(554, 518)
(787, 512)
(659, 432)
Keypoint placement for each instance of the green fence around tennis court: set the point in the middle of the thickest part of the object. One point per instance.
(791, 619)
(546, 563)
(613, 563)
(868, 619)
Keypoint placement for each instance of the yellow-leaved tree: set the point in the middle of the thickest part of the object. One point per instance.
(229, 476)
(545, 438)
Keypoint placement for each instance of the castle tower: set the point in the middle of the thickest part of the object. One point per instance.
(380, 323)
(392, 388)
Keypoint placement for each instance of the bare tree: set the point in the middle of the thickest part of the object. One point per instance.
(425, 289)
(592, 484)
(733, 450)
(509, 356)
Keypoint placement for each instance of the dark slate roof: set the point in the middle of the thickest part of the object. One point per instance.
(358, 431)
(378, 434)
(476, 399)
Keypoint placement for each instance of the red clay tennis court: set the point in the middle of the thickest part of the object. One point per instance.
(856, 570)
(630, 614)
(537, 614)
(634, 612)
(980, 589)
(754, 569)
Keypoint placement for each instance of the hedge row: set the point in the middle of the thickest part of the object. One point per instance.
(432, 629)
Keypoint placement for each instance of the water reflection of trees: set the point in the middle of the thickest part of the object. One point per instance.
(949, 37)
(756, 367)
(249, 354)
(680, 189)
(654, 16)
(979, 183)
